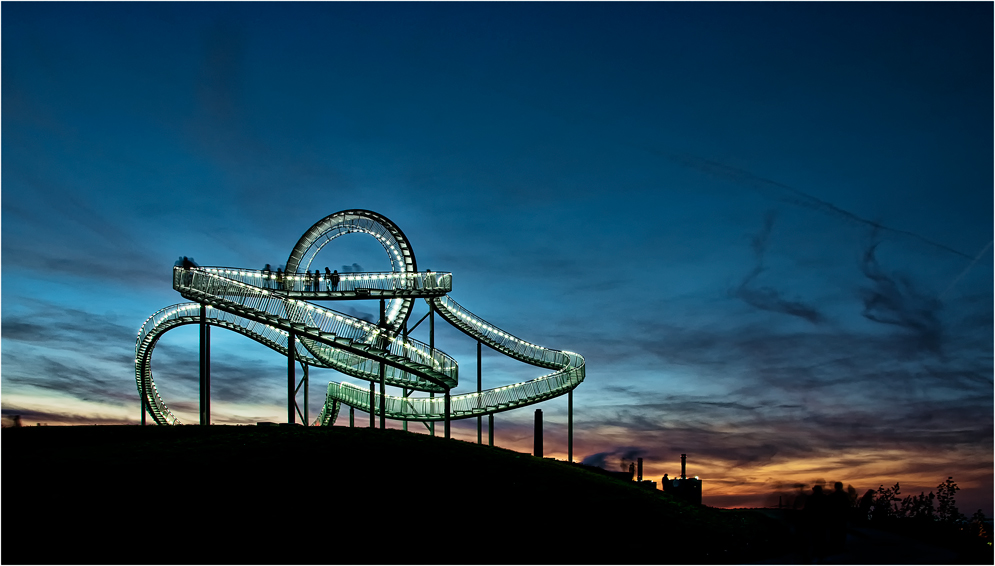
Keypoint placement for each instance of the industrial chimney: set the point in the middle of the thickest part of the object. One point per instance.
(684, 466)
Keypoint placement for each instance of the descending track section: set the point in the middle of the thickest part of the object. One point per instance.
(270, 308)
(569, 373)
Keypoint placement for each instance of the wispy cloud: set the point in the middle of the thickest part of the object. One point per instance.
(893, 299)
(767, 298)
(796, 197)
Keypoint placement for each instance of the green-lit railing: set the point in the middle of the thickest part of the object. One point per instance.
(349, 283)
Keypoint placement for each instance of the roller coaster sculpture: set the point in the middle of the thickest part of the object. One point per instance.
(278, 314)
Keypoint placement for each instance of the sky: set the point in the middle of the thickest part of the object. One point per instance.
(766, 226)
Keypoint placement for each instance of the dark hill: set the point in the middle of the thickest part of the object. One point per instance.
(246, 495)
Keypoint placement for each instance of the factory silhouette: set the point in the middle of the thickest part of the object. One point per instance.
(682, 488)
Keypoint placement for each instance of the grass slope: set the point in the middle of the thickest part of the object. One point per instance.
(205, 495)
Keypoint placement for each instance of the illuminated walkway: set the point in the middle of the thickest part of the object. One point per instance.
(281, 314)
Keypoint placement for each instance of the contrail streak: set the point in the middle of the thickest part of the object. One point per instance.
(794, 196)
(966, 269)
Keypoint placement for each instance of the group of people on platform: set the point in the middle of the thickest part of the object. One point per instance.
(309, 281)
(312, 281)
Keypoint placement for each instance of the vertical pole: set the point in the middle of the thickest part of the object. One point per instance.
(490, 430)
(383, 366)
(431, 424)
(207, 375)
(537, 435)
(373, 404)
(144, 396)
(383, 395)
(291, 377)
(479, 420)
(431, 345)
(447, 412)
(352, 417)
(570, 426)
(404, 333)
(404, 423)
(307, 421)
(203, 362)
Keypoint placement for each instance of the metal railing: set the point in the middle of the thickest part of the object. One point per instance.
(404, 281)
(464, 405)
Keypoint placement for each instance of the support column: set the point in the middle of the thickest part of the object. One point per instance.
(431, 345)
(537, 435)
(383, 396)
(447, 412)
(404, 423)
(205, 367)
(291, 377)
(373, 404)
(383, 367)
(490, 430)
(570, 426)
(479, 420)
(404, 339)
(307, 421)
(352, 417)
(145, 396)
(207, 377)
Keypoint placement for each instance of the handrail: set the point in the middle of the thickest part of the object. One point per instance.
(428, 282)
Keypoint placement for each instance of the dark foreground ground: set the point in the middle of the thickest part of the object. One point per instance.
(295, 495)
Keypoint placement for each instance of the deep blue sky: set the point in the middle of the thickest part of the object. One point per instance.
(766, 226)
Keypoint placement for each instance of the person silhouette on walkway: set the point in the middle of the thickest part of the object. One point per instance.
(317, 279)
(186, 263)
(279, 278)
(335, 280)
(266, 276)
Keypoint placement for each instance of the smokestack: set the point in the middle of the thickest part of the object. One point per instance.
(640, 476)
(537, 441)
(684, 465)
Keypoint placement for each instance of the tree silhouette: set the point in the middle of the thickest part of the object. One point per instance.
(947, 511)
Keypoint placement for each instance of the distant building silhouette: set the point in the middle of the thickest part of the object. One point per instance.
(683, 488)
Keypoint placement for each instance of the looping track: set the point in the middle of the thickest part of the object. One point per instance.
(254, 304)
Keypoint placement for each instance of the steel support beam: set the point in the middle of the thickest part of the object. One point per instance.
(570, 426)
(383, 396)
(373, 404)
(383, 366)
(352, 417)
(404, 423)
(447, 412)
(291, 378)
(431, 345)
(404, 334)
(144, 400)
(205, 367)
(307, 422)
(479, 419)
(490, 430)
